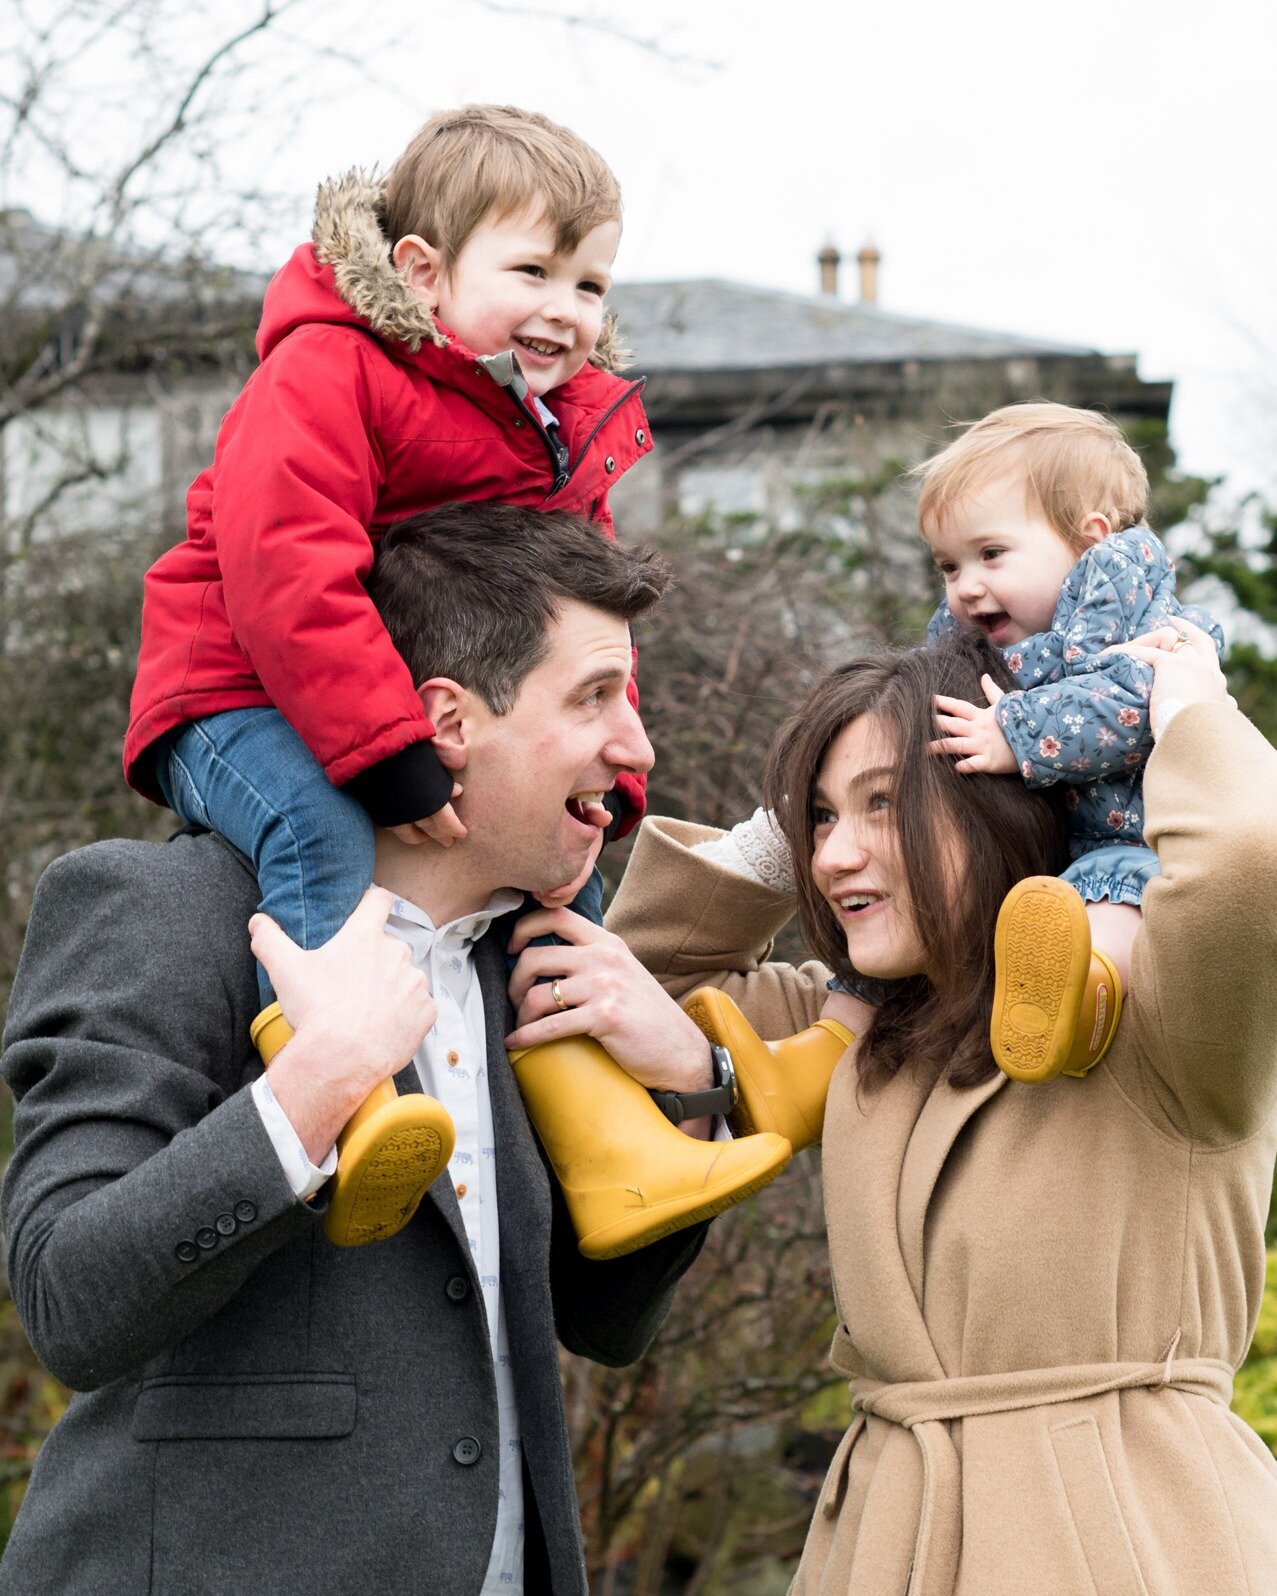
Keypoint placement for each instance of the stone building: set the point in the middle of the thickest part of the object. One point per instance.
(755, 393)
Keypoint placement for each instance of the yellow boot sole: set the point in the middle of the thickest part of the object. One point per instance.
(1045, 973)
(389, 1154)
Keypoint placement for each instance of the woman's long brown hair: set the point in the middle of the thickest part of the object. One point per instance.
(1004, 830)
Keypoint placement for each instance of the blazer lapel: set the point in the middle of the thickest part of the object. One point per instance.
(523, 1188)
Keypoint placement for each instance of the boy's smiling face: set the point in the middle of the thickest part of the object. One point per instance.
(1003, 562)
(510, 289)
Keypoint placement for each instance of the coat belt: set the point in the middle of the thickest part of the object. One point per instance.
(926, 1408)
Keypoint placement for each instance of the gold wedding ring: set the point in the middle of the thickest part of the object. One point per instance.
(1180, 642)
(556, 992)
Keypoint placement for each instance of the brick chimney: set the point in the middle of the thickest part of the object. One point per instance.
(868, 259)
(829, 260)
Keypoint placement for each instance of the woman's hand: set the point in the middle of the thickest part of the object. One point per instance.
(1186, 670)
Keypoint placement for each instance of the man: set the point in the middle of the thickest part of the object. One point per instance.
(259, 1410)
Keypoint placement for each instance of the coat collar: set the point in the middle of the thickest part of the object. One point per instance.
(888, 1147)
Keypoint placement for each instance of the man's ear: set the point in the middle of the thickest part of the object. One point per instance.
(422, 265)
(1095, 528)
(449, 707)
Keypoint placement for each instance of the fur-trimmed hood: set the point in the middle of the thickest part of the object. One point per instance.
(349, 238)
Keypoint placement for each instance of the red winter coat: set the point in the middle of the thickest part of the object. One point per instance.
(361, 413)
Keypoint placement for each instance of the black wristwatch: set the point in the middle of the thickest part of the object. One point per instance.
(717, 1099)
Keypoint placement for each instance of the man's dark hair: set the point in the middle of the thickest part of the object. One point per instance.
(468, 591)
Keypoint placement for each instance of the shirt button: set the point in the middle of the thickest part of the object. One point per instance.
(186, 1251)
(609, 464)
(454, 1058)
(461, 1190)
(458, 1288)
(206, 1237)
(225, 1224)
(467, 1450)
(245, 1212)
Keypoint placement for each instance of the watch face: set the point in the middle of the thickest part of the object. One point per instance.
(724, 1069)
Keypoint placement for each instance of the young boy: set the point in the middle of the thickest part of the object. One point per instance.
(443, 338)
(1035, 516)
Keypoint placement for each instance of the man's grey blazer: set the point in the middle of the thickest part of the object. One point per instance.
(257, 1410)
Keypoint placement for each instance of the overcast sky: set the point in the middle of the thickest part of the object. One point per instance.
(1101, 173)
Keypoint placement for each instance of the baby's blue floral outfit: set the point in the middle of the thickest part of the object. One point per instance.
(1081, 717)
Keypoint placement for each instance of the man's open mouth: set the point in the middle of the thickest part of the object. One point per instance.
(588, 809)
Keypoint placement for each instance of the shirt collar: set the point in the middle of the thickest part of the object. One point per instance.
(467, 928)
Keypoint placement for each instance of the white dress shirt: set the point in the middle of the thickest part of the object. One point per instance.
(452, 1063)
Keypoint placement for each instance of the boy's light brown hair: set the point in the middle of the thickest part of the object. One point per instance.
(1074, 464)
(495, 160)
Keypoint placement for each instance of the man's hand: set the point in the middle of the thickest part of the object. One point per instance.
(973, 733)
(442, 827)
(358, 1010)
(606, 994)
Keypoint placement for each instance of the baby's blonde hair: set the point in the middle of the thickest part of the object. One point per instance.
(1074, 463)
(495, 160)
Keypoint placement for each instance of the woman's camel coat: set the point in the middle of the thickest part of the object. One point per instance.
(1045, 1290)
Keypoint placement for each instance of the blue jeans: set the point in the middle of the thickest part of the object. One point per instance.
(247, 775)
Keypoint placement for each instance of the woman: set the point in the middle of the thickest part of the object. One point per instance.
(1043, 1290)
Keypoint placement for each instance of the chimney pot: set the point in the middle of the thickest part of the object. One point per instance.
(868, 259)
(829, 261)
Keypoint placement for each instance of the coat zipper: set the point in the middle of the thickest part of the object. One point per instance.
(562, 468)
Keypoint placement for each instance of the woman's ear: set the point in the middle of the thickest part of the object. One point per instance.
(422, 265)
(445, 702)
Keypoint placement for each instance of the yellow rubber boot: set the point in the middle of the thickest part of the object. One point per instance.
(389, 1153)
(1056, 1000)
(629, 1175)
(782, 1085)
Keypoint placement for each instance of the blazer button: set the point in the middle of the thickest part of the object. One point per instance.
(609, 464)
(467, 1451)
(187, 1252)
(225, 1224)
(206, 1237)
(245, 1213)
(458, 1288)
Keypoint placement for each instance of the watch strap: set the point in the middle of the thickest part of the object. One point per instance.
(717, 1099)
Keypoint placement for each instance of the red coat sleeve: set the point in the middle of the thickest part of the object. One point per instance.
(296, 482)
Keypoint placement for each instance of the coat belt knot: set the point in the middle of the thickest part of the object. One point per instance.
(926, 1408)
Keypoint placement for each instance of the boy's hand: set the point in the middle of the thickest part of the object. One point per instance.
(561, 897)
(442, 827)
(974, 735)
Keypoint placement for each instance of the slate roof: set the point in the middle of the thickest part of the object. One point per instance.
(708, 324)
